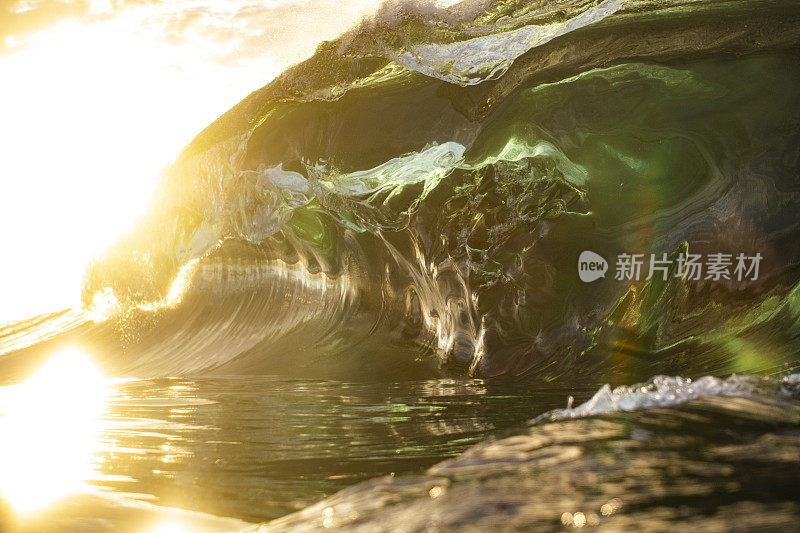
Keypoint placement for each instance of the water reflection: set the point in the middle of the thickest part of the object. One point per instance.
(137, 455)
(50, 429)
(259, 447)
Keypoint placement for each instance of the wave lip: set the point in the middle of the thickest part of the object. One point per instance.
(488, 57)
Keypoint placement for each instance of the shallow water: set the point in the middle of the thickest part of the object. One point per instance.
(221, 454)
(256, 448)
(710, 464)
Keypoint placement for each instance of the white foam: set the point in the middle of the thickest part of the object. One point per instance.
(429, 165)
(488, 57)
(662, 391)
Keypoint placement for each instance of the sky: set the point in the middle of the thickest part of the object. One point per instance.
(97, 97)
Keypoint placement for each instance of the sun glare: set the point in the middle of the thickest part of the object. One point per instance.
(169, 527)
(49, 431)
(91, 116)
(93, 110)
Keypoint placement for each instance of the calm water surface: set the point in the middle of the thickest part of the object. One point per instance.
(251, 448)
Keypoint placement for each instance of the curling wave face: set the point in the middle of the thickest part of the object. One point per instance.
(413, 199)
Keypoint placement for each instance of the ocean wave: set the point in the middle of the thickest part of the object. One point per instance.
(355, 206)
(488, 57)
(665, 391)
(730, 462)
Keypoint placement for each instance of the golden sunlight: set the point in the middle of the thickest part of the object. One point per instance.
(169, 527)
(91, 116)
(50, 427)
(94, 108)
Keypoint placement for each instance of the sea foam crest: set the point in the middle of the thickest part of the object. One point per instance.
(664, 391)
(488, 57)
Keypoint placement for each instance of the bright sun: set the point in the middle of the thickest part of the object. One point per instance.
(93, 111)
(90, 117)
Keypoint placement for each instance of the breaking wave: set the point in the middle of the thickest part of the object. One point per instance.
(413, 198)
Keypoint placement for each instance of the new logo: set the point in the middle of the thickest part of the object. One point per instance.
(591, 266)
